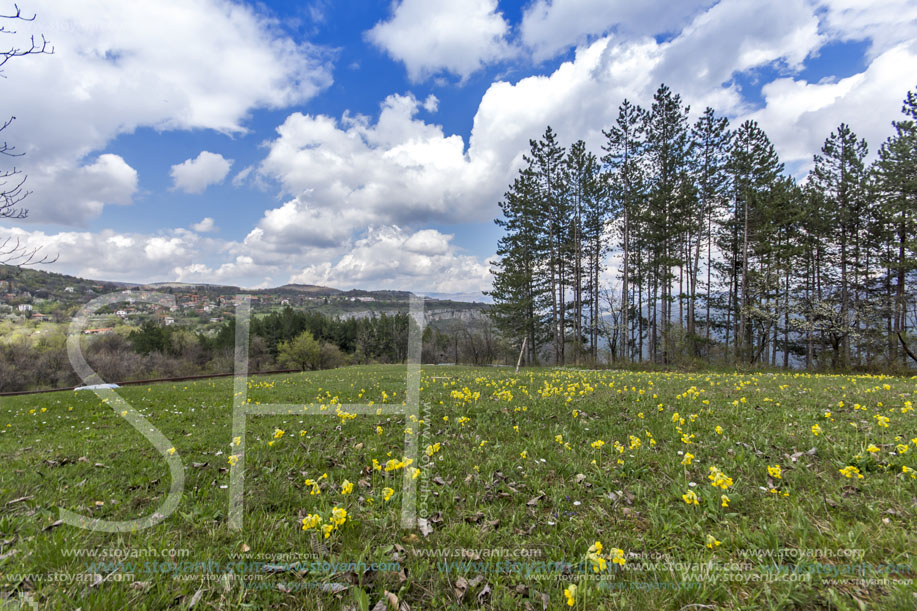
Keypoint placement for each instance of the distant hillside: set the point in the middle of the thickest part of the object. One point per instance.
(49, 290)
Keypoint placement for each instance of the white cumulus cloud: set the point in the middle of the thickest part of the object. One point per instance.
(392, 258)
(118, 66)
(195, 175)
(433, 36)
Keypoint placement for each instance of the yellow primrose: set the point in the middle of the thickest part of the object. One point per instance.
(570, 594)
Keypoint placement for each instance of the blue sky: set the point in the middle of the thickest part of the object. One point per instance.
(366, 144)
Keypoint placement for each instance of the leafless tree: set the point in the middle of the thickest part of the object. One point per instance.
(12, 180)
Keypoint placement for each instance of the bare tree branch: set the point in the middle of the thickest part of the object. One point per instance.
(35, 47)
(21, 255)
(12, 180)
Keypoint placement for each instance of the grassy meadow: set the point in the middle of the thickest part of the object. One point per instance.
(727, 491)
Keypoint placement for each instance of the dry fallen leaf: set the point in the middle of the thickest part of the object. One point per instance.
(461, 588)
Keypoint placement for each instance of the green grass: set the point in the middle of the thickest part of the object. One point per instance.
(70, 450)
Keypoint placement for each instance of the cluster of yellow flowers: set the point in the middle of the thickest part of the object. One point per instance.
(314, 484)
(718, 479)
(851, 471)
(570, 594)
(335, 521)
(395, 465)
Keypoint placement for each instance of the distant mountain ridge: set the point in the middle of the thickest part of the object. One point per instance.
(23, 284)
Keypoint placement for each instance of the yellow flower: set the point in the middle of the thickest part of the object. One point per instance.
(617, 556)
(775, 471)
(687, 459)
(849, 471)
(719, 430)
(902, 449)
(712, 543)
(415, 472)
(171, 451)
(690, 498)
(725, 500)
(718, 479)
(907, 470)
(387, 493)
(233, 459)
(872, 448)
(311, 521)
(575, 415)
(524, 454)
(570, 594)
(816, 429)
(346, 487)
(338, 516)
(327, 529)
(559, 438)
(594, 555)
(278, 433)
(597, 444)
(378, 430)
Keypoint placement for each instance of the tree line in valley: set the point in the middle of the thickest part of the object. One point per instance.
(720, 256)
(285, 339)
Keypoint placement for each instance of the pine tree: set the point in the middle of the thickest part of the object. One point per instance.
(588, 206)
(754, 167)
(550, 179)
(670, 200)
(840, 175)
(518, 290)
(709, 164)
(896, 178)
(624, 149)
